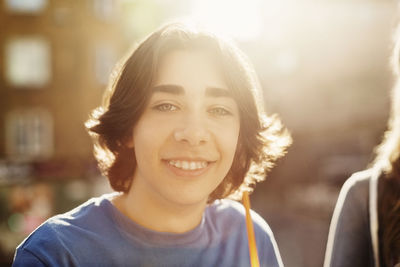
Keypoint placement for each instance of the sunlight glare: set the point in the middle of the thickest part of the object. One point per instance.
(238, 18)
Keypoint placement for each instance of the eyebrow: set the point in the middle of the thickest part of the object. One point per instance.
(179, 90)
(168, 88)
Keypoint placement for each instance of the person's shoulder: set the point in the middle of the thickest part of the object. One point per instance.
(230, 218)
(87, 208)
(86, 213)
(66, 236)
(354, 194)
(226, 209)
(59, 228)
(230, 212)
(359, 179)
(358, 183)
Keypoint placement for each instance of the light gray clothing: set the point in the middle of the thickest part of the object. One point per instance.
(349, 241)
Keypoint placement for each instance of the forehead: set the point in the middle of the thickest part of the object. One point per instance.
(189, 67)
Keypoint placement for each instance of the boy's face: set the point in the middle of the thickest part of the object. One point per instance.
(186, 139)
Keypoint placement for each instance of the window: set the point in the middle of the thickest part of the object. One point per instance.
(27, 62)
(29, 134)
(26, 6)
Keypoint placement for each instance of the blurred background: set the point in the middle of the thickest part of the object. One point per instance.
(323, 65)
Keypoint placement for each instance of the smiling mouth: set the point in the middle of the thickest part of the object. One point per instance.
(188, 165)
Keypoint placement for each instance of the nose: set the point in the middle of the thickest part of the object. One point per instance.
(193, 131)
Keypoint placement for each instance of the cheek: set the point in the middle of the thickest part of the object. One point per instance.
(149, 136)
(142, 142)
(229, 140)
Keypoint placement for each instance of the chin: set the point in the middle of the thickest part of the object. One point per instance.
(190, 200)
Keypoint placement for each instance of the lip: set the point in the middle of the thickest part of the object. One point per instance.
(187, 173)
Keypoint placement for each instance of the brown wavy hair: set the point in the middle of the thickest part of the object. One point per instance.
(388, 158)
(262, 139)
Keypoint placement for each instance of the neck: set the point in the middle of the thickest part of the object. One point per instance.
(159, 215)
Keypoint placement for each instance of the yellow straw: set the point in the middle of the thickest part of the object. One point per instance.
(250, 232)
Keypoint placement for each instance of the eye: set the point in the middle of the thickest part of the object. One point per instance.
(165, 107)
(220, 111)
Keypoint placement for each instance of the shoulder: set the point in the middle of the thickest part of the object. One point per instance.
(349, 241)
(354, 194)
(61, 231)
(359, 179)
(226, 209)
(82, 216)
(229, 212)
(229, 218)
(351, 213)
(357, 185)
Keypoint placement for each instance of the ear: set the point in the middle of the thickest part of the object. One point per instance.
(129, 142)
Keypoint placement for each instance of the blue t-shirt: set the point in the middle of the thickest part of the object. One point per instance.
(98, 234)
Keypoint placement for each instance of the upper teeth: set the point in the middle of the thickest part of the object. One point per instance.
(188, 165)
